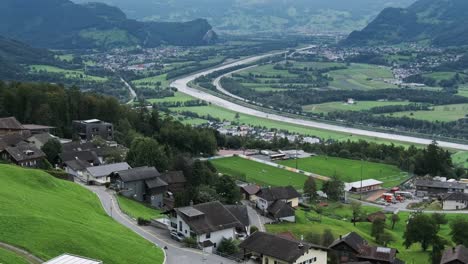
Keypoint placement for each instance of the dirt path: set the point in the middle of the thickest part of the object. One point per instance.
(22, 253)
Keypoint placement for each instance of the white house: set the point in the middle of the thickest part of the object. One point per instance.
(270, 249)
(100, 174)
(278, 203)
(363, 186)
(455, 201)
(209, 223)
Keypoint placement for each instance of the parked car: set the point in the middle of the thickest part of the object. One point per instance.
(177, 236)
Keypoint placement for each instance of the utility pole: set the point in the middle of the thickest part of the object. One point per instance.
(361, 183)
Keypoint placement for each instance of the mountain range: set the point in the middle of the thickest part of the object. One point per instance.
(252, 16)
(62, 24)
(437, 22)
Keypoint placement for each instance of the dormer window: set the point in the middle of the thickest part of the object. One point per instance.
(29, 152)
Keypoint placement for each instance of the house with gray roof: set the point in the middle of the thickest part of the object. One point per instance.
(143, 184)
(455, 201)
(209, 223)
(101, 174)
(455, 255)
(24, 155)
(278, 202)
(39, 140)
(10, 125)
(433, 188)
(270, 248)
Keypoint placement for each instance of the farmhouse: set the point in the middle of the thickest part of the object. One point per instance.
(24, 155)
(38, 129)
(353, 248)
(363, 186)
(455, 201)
(269, 248)
(278, 202)
(437, 188)
(88, 129)
(209, 223)
(249, 192)
(456, 255)
(69, 259)
(9, 125)
(142, 184)
(176, 181)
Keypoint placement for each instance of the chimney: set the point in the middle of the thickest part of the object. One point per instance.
(191, 202)
(300, 246)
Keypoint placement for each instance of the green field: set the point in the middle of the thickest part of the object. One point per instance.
(9, 257)
(463, 90)
(69, 74)
(341, 106)
(442, 113)
(337, 219)
(361, 77)
(151, 82)
(350, 170)
(439, 76)
(259, 173)
(461, 159)
(47, 217)
(178, 97)
(136, 209)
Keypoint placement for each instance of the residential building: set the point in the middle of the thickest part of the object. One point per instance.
(208, 223)
(455, 255)
(274, 249)
(76, 168)
(88, 129)
(363, 186)
(69, 259)
(100, 174)
(10, 125)
(455, 201)
(278, 202)
(39, 140)
(353, 248)
(10, 140)
(143, 184)
(249, 192)
(24, 155)
(176, 181)
(38, 129)
(433, 188)
(242, 214)
(88, 156)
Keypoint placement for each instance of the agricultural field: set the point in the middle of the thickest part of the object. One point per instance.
(350, 170)
(259, 173)
(9, 257)
(34, 216)
(69, 74)
(342, 106)
(460, 159)
(178, 97)
(337, 218)
(439, 76)
(154, 82)
(442, 113)
(361, 77)
(137, 210)
(463, 90)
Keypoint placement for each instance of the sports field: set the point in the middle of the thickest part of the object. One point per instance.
(350, 170)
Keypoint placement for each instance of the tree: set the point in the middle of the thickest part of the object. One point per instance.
(459, 231)
(148, 152)
(237, 116)
(327, 238)
(334, 189)
(228, 246)
(420, 228)
(356, 207)
(385, 238)
(52, 149)
(438, 246)
(439, 219)
(205, 194)
(395, 218)
(313, 238)
(378, 228)
(227, 188)
(310, 188)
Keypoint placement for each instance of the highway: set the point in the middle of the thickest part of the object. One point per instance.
(182, 85)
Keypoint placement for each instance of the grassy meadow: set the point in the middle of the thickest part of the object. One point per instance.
(442, 113)
(136, 209)
(9, 257)
(69, 74)
(342, 106)
(47, 217)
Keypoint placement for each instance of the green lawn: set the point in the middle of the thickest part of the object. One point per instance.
(259, 173)
(341, 106)
(69, 74)
(151, 82)
(443, 113)
(178, 97)
(8, 257)
(337, 219)
(48, 217)
(361, 77)
(350, 170)
(136, 209)
(460, 159)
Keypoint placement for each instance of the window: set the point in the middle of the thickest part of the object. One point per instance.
(180, 225)
(208, 235)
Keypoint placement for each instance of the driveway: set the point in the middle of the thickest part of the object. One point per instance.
(175, 253)
(255, 218)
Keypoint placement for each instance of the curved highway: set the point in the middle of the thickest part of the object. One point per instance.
(182, 85)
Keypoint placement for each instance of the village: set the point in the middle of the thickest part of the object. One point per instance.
(95, 161)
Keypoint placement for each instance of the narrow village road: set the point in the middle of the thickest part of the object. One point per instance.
(21, 253)
(182, 85)
(175, 252)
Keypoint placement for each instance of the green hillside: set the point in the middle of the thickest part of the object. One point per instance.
(48, 217)
(440, 22)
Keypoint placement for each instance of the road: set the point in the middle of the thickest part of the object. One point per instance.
(132, 92)
(182, 85)
(175, 252)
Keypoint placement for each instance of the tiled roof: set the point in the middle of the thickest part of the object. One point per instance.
(459, 253)
(10, 123)
(352, 239)
(278, 193)
(138, 174)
